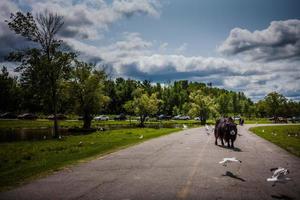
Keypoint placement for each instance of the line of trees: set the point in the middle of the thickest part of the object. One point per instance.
(52, 80)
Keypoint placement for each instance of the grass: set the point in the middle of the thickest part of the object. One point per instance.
(258, 121)
(76, 123)
(287, 137)
(23, 161)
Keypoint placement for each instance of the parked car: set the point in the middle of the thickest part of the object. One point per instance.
(295, 119)
(197, 118)
(80, 118)
(8, 115)
(101, 118)
(58, 117)
(281, 120)
(122, 116)
(185, 117)
(29, 116)
(163, 117)
(182, 117)
(236, 118)
(177, 117)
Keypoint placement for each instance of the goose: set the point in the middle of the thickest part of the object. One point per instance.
(225, 161)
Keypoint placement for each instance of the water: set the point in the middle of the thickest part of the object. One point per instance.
(43, 133)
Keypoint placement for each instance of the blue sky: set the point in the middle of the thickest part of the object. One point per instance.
(204, 24)
(249, 46)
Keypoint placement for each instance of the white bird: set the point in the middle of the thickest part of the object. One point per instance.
(225, 161)
(206, 127)
(141, 137)
(263, 130)
(184, 126)
(279, 175)
(289, 135)
(44, 137)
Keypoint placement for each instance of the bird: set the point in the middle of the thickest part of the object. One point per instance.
(225, 161)
(279, 174)
(263, 130)
(184, 126)
(141, 137)
(44, 137)
(206, 127)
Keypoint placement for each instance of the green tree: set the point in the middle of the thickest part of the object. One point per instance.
(46, 63)
(87, 87)
(145, 105)
(201, 106)
(9, 92)
(274, 103)
(224, 104)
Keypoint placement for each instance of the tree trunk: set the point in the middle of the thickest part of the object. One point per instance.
(55, 128)
(203, 120)
(55, 125)
(142, 119)
(87, 121)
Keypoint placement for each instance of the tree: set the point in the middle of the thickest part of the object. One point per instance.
(9, 92)
(145, 105)
(46, 62)
(87, 86)
(201, 106)
(224, 104)
(129, 107)
(274, 102)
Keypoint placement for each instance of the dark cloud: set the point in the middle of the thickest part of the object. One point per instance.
(280, 41)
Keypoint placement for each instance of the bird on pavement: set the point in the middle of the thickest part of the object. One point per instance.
(279, 174)
(225, 161)
(206, 127)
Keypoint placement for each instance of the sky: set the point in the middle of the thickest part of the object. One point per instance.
(247, 46)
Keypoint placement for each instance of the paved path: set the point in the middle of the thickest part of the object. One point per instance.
(183, 165)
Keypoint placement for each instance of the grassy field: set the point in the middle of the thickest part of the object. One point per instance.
(22, 161)
(76, 123)
(287, 137)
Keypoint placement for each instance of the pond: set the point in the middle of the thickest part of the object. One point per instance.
(43, 133)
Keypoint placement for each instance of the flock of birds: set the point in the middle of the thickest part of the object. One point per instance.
(279, 173)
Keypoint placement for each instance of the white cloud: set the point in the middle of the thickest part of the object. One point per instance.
(281, 40)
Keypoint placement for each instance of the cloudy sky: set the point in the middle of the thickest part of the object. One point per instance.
(249, 46)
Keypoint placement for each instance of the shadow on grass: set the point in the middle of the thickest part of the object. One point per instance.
(231, 175)
(282, 196)
(233, 149)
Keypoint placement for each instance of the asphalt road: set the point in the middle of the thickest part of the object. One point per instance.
(182, 165)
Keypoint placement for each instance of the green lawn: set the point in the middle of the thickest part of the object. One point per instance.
(76, 123)
(22, 161)
(287, 137)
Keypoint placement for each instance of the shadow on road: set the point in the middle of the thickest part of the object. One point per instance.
(282, 196)
(231, 175)
(234, 149)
